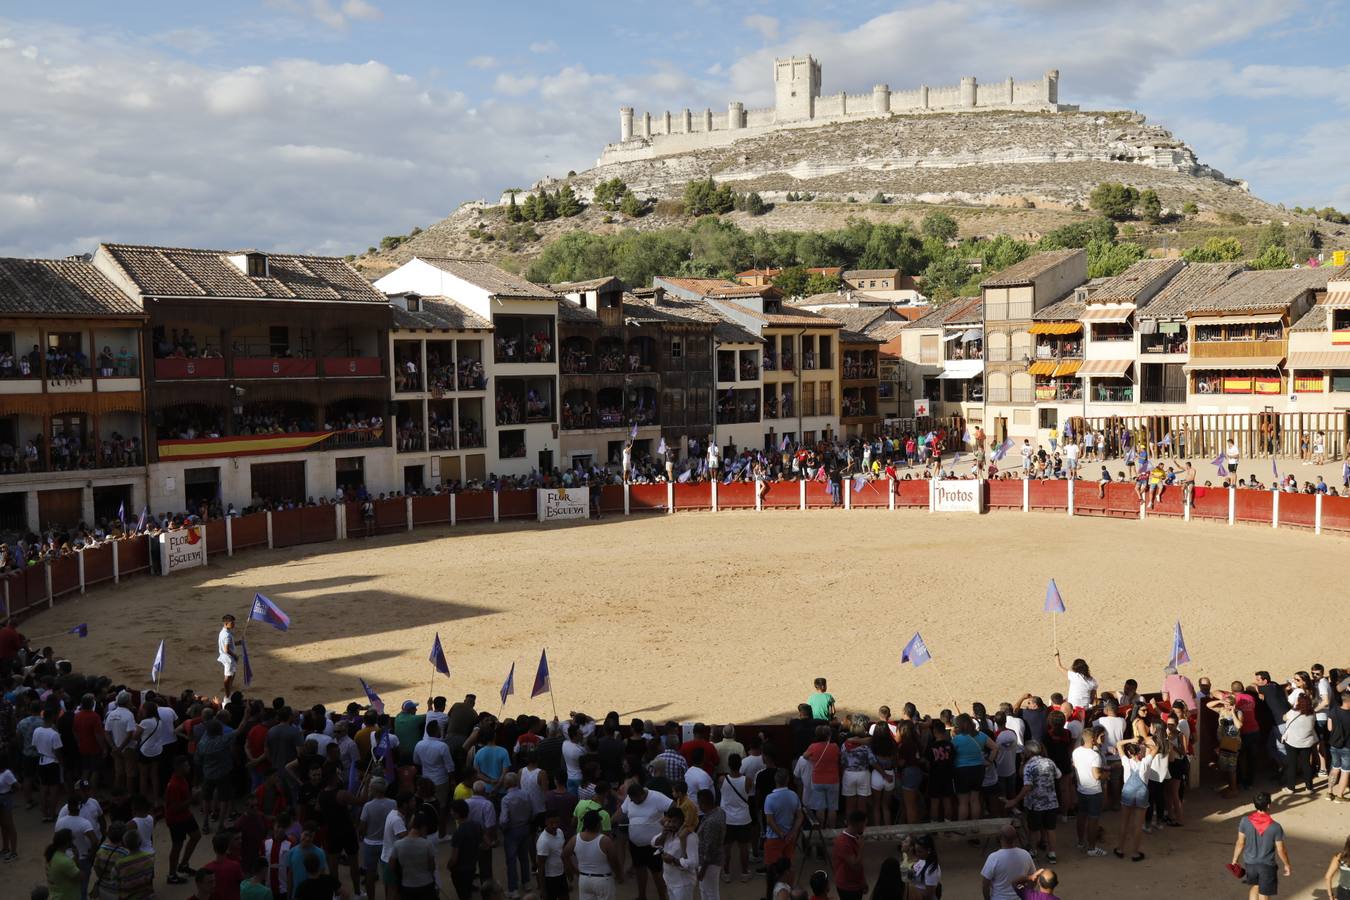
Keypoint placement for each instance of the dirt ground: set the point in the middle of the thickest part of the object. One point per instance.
(729, 616)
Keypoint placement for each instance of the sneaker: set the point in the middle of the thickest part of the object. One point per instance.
(726, 878)
(1080, 846)
(9, 856)
(1096, 851)
(1051, 858)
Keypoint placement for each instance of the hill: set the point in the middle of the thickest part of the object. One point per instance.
(1016, 173)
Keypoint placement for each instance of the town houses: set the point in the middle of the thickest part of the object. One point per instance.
(174, 379)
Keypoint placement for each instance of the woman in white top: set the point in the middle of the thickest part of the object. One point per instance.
(1158, 775)
(1082, 686)
(1136, 759)
(1300, 739)
(736, 792)
(590, 853)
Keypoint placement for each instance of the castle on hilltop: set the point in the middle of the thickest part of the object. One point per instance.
(798, 103)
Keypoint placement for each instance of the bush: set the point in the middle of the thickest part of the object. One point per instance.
(1078, 235)
(703, 197)
(878, 197)
(610, 193)
(939, 226)
(755, 205)
(1114, 200)
(1150, 207)
(1273, 257)
(1215, 250)
(670, 208)
(631, 206)
(1190, 209)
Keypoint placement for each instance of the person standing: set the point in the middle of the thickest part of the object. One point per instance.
(1338, 874)
(590, 854)
(642, 809)
(1300, 737)
(712, 842)
(1089, 774)
(1005, 867)
(413, 863)
(1338, 748)
(1260, 847)
(226, 656)
(1040, 776)
(678, 848)
(846, 855)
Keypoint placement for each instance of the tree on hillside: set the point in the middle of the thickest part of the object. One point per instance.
(1150, 207)
(567, 203)
(1215, 250)
(702, 197)
(939, 226)
(610, 193)
(1273, 257)
(1113, 200)
(1106, 259)
(755, 205)
(891, 246)
(1001, 252)
(1078, 235)
(631, 206)
(946, 277)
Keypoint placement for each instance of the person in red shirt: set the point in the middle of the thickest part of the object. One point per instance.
(255, 746)
(90, 739)
(700, 739)
(225, 867)
(1250, 730)
(823, 756)
(183, 828)
(850, 882)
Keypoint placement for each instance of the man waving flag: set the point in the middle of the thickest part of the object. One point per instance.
(265, 610)
(542, 685)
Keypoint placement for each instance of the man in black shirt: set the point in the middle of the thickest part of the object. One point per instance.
(1271, 716)
(803, 730)
(1338, 743)
(464, 847)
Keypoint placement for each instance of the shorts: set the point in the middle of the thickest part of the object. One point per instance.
(1340, 758)
(1232, 469)
(969, 779)
(1228, 760)
(741, 834)
(941, 786)
(911, 778)
(881, 783)
(1089, 805)
(1179, 769)
(1007, 785)
(776, 849)
(7, 800)
(1136, 797)
(220, 788)
(370, 857)
(1042, 819)
(387, 874)
(49, 774)
(228, 665)
(824, 798)
(342, 845)
(181, 831)
(857, 783)
(647, 857)
(1265, 877)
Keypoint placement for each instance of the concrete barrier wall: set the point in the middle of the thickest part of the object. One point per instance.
(38, 587)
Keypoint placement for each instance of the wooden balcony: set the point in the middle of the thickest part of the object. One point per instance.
(1237, 349)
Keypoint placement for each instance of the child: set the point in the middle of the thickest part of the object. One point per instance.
(822, 701)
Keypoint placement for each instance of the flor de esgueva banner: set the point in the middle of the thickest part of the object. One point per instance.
(564, 503)
(182, 549)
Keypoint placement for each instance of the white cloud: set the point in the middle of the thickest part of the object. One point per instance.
(767, 26)
(482, 62)
(514, 85)
(289, 154)
(544, 47)
(333, 13)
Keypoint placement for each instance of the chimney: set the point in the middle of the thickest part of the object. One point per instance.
(659, 296)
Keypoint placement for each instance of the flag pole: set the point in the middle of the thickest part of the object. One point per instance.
(551, 698)
(948, 691)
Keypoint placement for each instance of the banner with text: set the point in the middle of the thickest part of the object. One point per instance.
(182, 549)
(958, 496)
(564, 503)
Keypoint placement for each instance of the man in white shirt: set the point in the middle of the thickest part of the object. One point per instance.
(47, 744)
(86, 836)
(643, 810)
(1026, 458)
(1087, 767)
(225, 647)
(120, 724)
(1005, 867)
(549, 867)
(1112, 725)
(432, 756)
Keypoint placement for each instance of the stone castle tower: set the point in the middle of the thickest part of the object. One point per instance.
(796, 85)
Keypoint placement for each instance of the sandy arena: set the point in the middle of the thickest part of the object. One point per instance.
(728, 616)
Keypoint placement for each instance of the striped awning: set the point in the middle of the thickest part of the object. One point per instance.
(1055, 327)
(1336, 300)
(1262, 319)
(1235, 362)
(1068, 367)
(1041, 367)
(1106, 314)
(1333, 359)
(1107, 368)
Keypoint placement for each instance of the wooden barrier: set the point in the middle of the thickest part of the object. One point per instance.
(1052, 495)
(1296, 510)
(65, 575)
(694, 496)
(647, 497)
(216, 545)
(1210, 503)
(517, 505)
(1336, 513)
(872, 496)
(98, 564)
(133, 554)
(248, 531)
(1256, 506)
(611, 498)
(433, 510)
(473, 506)
(818, 495)
(782, 495)
(1004, 494)
(911, 493)
(391, 515)
(736, 495)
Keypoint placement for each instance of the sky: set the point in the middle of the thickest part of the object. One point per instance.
(322, 125)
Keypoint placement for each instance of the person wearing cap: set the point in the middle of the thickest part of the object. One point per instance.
(408, 728)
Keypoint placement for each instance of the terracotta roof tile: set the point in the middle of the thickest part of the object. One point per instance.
(493, 279)
(187, 272)
(1270, 289)
(957, 309)
(1029, 269)
(59, 287)
(1071, 307)
(1189, 286)
(569, 287)
(1129, 286)
(439, 314)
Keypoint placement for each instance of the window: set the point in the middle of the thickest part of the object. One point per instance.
(998, 387)
(826, 351)
(1049, 418)
(929, 345)
(414, 304)
(676, 348)
(996, 347)
(257, 265)
(511, 444)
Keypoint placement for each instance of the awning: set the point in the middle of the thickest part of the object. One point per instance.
(1235, 362)
(1068, 367)
(962, 368)
(1106, 314)
(1338, 300)
(1055, 327)
(1041, 367)
(951, 337)
(972, 334)
(1334, 359)
(1148, 326)
(1108, 368)
(1263, 319)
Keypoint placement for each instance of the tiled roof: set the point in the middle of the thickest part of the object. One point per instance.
(493, 279)
(1071, 307)
(855, 318)
(717, 287)
(954, 310)
(575, 314)
(1315, 319)
(1129, 286)
(1270, 289)
(60, 287)
(849, 336)
(185, 272)
(571, 287)
(799, 317)
(1029, 269)
(886, 331)
(1189, 286)
(676, 309)
(438, 314)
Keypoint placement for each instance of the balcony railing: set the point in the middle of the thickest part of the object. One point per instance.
(470, 439)
(174, 367)
(411, 440)
(472, 381)
(1106, 393)
(18, 462)
(351, 366)
(735, 414)
(1156, 393)
(1023, 395)
(1243, 349)
(1059, 351)
(270, 367)
(1161, 343)
(1059, 392)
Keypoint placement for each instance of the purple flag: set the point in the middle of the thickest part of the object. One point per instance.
(375, 702)
(509, 685)
(915, 652)
(1218, 463)
(81, 630)
(1180, 655)
(542, 683)
(1054, 603)
(438, 656)
(265, 610)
